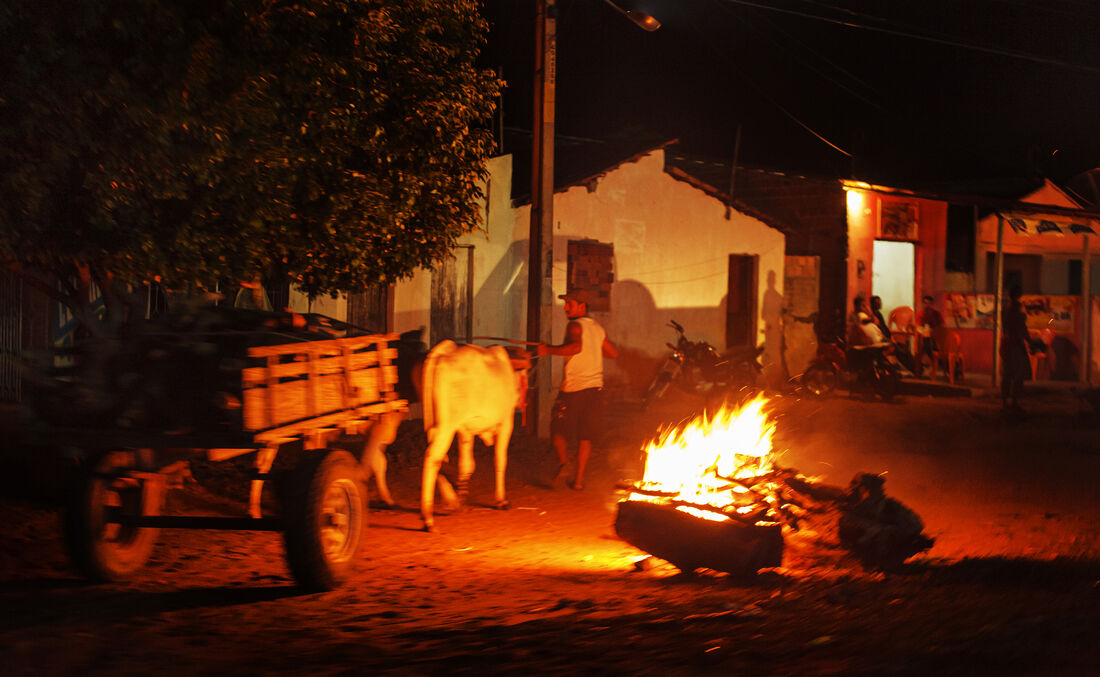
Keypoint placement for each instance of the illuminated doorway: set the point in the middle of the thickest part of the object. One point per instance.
(893, 279)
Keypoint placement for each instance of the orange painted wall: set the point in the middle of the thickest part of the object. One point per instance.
(931, 244)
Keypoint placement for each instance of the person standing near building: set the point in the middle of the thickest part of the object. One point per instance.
(1015, 359)
(578, 408)
(928, 320)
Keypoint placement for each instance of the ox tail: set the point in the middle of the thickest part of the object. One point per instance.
(442, 349)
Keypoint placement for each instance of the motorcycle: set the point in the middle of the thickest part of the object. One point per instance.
(696, 367)
(873, 367)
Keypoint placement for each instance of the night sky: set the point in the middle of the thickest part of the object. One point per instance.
(905, 109)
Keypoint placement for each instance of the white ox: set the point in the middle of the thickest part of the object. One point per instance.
(467, 390)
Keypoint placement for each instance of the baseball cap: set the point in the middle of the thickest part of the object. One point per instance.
(578, 295)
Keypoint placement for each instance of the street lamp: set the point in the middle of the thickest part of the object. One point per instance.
(644, 21)
(540, 241)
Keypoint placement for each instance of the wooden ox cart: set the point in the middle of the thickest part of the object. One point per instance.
(307, 394)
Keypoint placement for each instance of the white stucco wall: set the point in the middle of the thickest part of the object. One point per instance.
(336, 308)
(672, 244)
(498, 271)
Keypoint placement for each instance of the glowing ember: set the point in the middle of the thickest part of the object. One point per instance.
(721, 464)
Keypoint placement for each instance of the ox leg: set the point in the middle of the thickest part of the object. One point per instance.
(433, 459)
(465, 465)
(504, 435)
(381, 434)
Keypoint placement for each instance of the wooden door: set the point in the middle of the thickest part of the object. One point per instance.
(371, 309)
(741, 301)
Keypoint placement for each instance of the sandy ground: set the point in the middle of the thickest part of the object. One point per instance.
(1012, 585)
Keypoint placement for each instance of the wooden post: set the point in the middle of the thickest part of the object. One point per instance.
(1086, 315)
(999, 300)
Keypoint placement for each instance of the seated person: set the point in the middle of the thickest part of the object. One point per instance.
(862, 333)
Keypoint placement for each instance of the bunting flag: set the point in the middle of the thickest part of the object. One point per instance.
(1043, 226)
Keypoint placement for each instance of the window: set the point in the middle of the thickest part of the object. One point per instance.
(1021, 269)
(1073, 285)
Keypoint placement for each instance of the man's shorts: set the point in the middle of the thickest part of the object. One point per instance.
(578, 415)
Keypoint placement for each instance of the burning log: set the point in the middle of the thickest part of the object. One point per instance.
(690, 542)
(671, 500)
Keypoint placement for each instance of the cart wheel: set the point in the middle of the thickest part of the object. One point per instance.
(324, 519)
(101, 548)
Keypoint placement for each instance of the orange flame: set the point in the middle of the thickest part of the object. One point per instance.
(698, 462)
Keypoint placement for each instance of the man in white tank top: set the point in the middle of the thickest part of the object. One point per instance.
(578, 408)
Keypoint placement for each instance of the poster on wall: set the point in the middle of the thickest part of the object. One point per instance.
(897, 220)
(976, 311)
(969, 311)
(1057, 312)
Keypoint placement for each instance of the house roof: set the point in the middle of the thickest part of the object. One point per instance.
(583, 161)
(577, 161)
(799, 205)
(1085, 188)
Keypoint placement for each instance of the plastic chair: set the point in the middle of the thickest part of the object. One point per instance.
(900, 324)
(948, 352)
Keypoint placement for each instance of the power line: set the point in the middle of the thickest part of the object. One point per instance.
(819, 57)
(759, 90)
(927, 38)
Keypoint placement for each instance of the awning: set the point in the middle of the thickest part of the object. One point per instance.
(1037, 224)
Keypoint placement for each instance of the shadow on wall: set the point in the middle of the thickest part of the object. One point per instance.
(499, 302)
(771, 314)
(635, 324)
(640, 331)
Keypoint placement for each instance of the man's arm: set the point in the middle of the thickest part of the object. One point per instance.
(609, 349)
(571, 346)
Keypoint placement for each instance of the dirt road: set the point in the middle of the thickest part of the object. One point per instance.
(1012, 585)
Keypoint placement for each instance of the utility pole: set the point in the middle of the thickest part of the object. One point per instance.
(540, 253)
(541, 238)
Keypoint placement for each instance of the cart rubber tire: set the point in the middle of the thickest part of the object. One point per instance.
(325, 516)
(820, 379)
(101, 550)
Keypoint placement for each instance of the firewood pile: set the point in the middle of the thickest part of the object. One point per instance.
(176, 373)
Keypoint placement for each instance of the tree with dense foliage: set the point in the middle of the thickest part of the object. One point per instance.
(332, 144)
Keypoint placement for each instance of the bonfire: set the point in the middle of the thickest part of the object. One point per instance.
(712, 496)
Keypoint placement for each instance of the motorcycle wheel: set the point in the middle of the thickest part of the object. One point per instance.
(886, 381)
(657, 387)
(820, 379)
